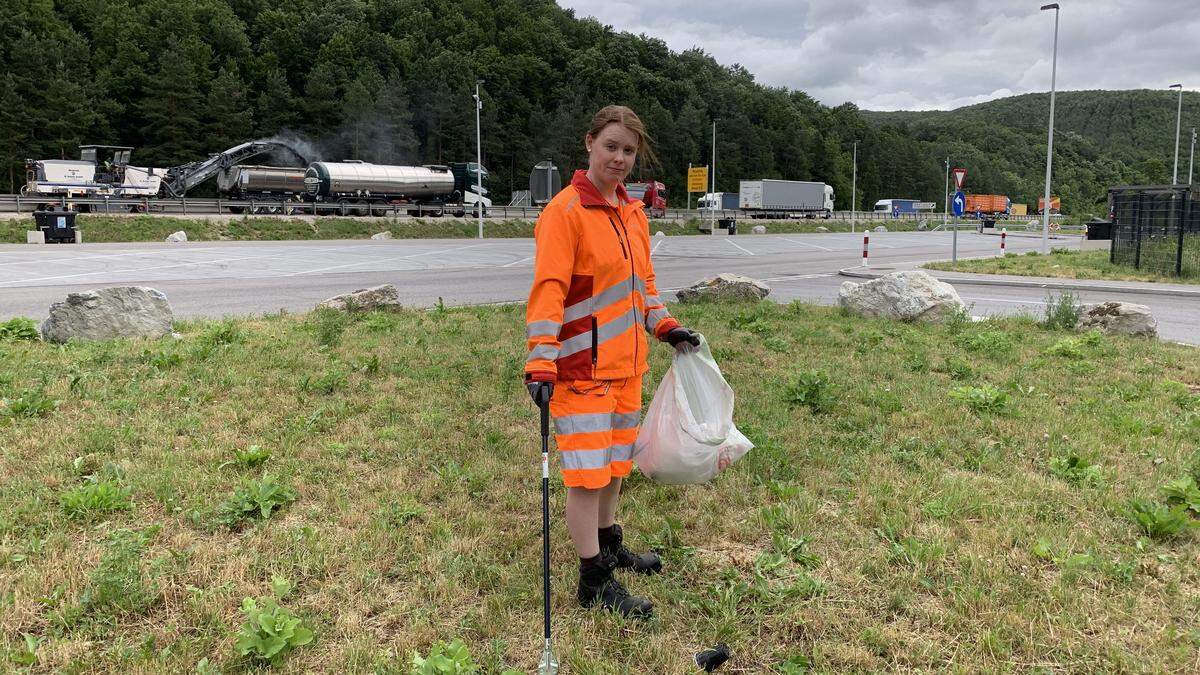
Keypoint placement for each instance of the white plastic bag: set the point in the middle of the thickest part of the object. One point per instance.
(689, 427)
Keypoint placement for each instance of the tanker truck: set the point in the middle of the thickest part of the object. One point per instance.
(358, 186)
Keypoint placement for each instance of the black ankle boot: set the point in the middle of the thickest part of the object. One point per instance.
(597, 585)
(611, 541)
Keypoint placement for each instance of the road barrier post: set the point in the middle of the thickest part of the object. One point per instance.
(1003, 236)
(866, 242)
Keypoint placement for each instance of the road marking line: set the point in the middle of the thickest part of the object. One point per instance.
(730, 241)
(153, 267)
(376, 260)
(800, 276)
(660, 243)
(517, 262)
(1015, 302)
(805, 243)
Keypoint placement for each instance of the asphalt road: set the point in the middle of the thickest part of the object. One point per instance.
(213, 279)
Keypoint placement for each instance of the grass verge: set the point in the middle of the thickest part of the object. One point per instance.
(974, 497)
(1060, 263)
(131, 228)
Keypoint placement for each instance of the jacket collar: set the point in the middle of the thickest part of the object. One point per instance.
(590, 196)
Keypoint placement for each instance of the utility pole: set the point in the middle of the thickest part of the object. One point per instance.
(1178, 114)
(853, 187)
(1050, 135)
(713, 177)
(689, 197)
(478, 159)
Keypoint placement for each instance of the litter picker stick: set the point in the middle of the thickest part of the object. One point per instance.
(549, 664)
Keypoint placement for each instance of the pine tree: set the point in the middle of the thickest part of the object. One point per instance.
(229, 118)
(276, 107)
(172, 109)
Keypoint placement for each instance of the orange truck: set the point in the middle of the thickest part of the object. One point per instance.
(1055, 204)
(982, 205)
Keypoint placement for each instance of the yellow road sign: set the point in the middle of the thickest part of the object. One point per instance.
(698, 179)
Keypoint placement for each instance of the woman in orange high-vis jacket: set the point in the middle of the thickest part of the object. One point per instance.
(592, 305)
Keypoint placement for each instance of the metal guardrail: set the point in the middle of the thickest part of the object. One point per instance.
(208, 206)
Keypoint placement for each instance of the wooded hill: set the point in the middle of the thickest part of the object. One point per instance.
(392, 80)
(1101, 138)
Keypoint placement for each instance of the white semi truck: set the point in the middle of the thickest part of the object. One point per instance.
(771, 198)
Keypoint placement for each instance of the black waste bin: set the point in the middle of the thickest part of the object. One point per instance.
(58, 226)
(1099, 229)
(728, 224)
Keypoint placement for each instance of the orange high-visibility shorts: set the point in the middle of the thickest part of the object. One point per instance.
(595, 425)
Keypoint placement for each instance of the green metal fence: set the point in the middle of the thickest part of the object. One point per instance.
(1156, 228)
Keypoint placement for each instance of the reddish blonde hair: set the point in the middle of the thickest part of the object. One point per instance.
(619, 114)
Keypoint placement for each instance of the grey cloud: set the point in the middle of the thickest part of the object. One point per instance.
(920, 54)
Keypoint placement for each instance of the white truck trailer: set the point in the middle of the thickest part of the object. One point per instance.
(771, 198)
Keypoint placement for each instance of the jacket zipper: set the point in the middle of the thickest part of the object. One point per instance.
(632, 276)
(619, 239)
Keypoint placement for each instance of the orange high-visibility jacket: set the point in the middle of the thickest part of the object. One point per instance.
(593, 288)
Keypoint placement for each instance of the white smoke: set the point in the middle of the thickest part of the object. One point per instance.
(300, 146)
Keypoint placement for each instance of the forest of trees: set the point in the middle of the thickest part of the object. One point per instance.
(392, 81)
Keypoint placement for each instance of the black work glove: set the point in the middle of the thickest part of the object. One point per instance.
(540, 392)
(681, 338)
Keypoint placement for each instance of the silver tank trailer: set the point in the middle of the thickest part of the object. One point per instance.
(239, 180)
(333, 180)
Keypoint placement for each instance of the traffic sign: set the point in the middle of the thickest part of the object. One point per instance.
(959, 176)
(698, 179)
(959, 204)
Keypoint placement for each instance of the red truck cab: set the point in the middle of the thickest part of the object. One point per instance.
(653, 194)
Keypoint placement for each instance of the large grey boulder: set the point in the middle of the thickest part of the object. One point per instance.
(908, 296)
(880, 228)
(382, 235)
(177, 237)
(822, 228)
(724, 287)
(759, 229)
(1119, 318)
(109, 313)
(364, 299)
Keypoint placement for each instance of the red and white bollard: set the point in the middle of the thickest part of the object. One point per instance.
(866, 241)
(1003, 236)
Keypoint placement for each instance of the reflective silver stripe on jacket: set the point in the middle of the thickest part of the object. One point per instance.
(604, 333)
(545, 328)
(547, 352)
(608, 296)
(655, 317)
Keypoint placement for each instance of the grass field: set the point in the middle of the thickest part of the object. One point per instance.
(1060, 263)
(975, 497)
(97, 229)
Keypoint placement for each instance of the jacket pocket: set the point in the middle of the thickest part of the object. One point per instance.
(595, 342)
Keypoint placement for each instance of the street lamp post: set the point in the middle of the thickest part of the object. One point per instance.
(1050, 134)
(853, 187)
(946, 217)
(1178, 114)
(478, 159)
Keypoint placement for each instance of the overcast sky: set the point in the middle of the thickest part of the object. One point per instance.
(926, 54)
